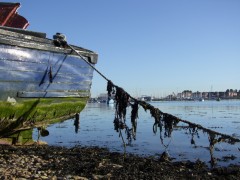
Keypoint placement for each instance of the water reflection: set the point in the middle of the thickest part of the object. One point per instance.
(178, 140)
(76, 122)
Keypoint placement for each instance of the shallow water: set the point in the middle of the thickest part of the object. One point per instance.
(96, 128)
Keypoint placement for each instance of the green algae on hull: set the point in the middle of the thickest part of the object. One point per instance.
(34, 112)
(19, 138)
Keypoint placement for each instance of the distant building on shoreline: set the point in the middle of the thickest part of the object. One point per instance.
(188, 94)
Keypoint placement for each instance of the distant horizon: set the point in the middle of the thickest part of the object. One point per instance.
(134, 95)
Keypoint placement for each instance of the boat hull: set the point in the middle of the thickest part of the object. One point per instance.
(40, 86)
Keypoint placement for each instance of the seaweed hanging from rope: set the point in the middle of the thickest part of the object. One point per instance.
(134, 117)
(122, 102)
(168, 121)
(122, 99)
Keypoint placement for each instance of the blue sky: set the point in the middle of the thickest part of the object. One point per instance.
(152, 47)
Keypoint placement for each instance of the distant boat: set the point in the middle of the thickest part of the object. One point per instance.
(41, 80)
(146, 98)
(218, 99)
(201, 99)
(92, 100)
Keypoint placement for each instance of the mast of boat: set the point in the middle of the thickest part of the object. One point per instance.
(210, 94)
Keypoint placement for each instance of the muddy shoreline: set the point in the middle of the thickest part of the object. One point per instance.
(54, 162)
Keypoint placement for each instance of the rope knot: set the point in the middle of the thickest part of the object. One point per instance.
(60, 40)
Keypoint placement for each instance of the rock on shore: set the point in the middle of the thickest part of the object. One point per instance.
(50, 162)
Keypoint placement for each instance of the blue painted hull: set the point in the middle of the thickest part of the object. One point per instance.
(26, 73)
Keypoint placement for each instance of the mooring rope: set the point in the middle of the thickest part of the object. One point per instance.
(88, 62)
(122, 97)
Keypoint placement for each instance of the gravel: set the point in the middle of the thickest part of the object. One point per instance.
(54, 162)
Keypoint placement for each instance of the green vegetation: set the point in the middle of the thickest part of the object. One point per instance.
(20, 138)
(28, 112)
